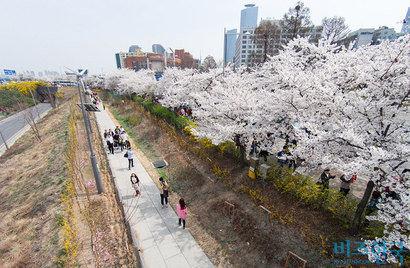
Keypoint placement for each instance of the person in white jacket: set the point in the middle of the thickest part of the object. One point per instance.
(130, 156)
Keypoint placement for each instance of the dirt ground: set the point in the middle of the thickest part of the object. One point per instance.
(102, 227)
(32, 175)
(244, 239)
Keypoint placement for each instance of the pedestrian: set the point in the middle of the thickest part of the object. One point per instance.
(130, 156)
(135, 181)
(182, 212)
(164, 192)
(325, 177)
(282, 156)
(344, 185)
(116, 138)
(124, 138)
(254, 148)
(110, 143)
(105, 134)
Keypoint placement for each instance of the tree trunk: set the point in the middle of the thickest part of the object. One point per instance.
(355, 225)
(243, 153)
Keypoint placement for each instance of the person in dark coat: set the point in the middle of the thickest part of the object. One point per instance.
(325, 177)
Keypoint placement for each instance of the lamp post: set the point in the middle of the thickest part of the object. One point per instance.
(173, 54)
(93, 158)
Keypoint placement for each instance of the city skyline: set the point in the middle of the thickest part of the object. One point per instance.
(51, 35)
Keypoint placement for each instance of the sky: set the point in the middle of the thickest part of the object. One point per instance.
(50, 35)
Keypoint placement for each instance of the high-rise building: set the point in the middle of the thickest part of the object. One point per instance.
(180, 53)
(359, 37)
(383, 33)
(406, 23)
(369, 36)
(244, 46)
(157, 48)
(249, 16)
(121, 56)
(134, 48)
(230, 45)
(152, 61)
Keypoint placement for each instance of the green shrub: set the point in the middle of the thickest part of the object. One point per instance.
(133, 120)
(306, 190)
(164, 113)
(138, 99)
(9, 98)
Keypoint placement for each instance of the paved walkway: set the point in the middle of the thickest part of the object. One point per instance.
(162, 242)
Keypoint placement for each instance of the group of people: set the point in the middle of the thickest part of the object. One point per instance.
(120, 136)
(345, 182)
(164, 193)
(184, 110)
(285, 157)
(117, 138)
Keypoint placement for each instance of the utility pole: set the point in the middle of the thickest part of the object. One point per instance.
(93, 158)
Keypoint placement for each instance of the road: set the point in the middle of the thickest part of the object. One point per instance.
(14, 126)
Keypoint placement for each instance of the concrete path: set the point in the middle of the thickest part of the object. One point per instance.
(14, 126)
(162, 242)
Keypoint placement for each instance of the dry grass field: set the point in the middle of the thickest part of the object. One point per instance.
(33, 176)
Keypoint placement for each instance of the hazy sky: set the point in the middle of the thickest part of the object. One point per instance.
(50, 34)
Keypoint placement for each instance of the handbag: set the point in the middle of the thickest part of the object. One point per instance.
(126, 154)
(165, 193)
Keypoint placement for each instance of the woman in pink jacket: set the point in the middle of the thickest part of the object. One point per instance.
(182, 211)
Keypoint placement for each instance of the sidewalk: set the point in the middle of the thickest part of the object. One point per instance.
(162, 242)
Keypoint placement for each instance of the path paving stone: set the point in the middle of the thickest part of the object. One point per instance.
(162, 242)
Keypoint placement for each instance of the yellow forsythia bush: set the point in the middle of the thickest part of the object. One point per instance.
(23, 87)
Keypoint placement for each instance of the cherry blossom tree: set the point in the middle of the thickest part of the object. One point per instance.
(353, 104)
(351, 107)
(126, 81)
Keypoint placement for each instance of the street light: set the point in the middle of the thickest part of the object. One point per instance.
(93, 158)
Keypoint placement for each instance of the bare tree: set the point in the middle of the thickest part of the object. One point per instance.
(267, 37)
(296, 22)
(187, 61)
(209, 63)
(30, 117)
(335, 28)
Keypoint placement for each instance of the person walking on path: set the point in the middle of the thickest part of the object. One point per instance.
(344, 185)
(164, 192)
(182, 212)
(325, 177)
(130, 155)
(135, 181)
(124, 138)
(110, 143)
